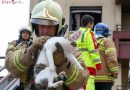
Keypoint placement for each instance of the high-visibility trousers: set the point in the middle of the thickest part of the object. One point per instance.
(90, 83)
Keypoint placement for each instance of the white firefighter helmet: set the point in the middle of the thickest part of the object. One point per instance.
(47, 12)
(25, 28)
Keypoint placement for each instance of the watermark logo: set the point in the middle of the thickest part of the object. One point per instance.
(11, 2)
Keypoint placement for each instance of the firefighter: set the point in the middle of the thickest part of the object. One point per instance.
(48, 14)
(109, 72)
(87, 44)
(24, 37)
(46, 21)
(25, 33)
(22, 42)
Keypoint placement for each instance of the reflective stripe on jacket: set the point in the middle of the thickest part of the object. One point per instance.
(73, 76)
(109, 60)
(17, 52)
(17, 63)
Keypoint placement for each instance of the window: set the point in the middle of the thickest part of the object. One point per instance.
(77, 12)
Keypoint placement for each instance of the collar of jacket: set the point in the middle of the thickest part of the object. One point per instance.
(83, 28)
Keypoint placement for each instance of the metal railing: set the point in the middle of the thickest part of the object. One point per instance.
(2, 57)
(122, 27)
(4, 78)
(10, 84)
(2, 68)
(6, 81)
(119, 87)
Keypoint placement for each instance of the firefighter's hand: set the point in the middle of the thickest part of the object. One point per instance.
(40, 41)
(11, 46)
(21, 45)
(38, 44)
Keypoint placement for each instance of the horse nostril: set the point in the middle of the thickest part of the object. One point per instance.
(73, 44)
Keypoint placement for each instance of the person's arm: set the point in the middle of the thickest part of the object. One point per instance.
(24, 53)
(111, 57)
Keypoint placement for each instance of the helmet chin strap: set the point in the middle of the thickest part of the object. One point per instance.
(63, 30)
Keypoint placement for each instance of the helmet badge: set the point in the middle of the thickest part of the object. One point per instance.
(46, 15)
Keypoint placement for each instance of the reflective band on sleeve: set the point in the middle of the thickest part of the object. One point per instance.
(93, 51)
(102, 48)
(97, 60)
(83, 49)
(73, 77)
(82, 38)
(17, 63)
(114, 69)
(79, 58)
(103, 78)
(110, 49)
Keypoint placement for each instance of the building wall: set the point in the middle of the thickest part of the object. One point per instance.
(111, 14)
(33, 3)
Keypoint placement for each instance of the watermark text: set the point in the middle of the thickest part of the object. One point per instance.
(11, 2)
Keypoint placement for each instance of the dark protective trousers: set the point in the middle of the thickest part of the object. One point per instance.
(103, 85)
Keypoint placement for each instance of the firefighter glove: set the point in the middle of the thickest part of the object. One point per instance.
(37, 44)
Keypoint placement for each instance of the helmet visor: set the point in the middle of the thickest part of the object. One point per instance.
(44, 22)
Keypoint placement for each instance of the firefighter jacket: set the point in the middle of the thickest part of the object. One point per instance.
(108, 56)
(87, 44)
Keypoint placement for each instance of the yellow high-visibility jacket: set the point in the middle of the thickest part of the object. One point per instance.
(108, 55)
(87, 44)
